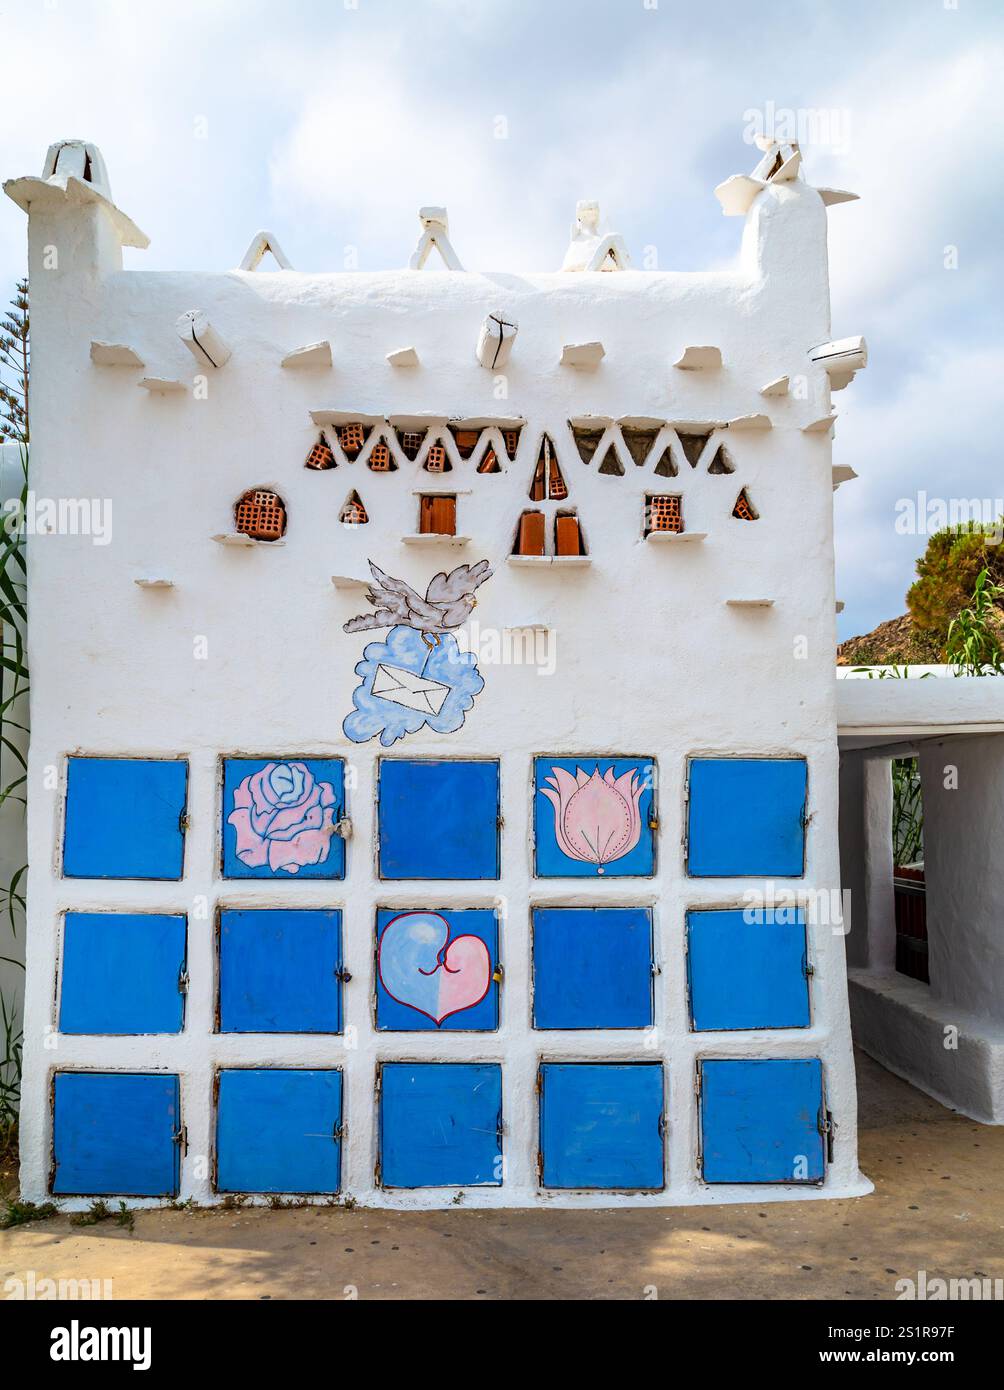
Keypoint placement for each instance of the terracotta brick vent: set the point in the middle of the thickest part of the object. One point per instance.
(437, 515)
(380, 458)
(352, 438)
(663, 513)
(436, 460)
(490, 463)
(321, 456)
(530, 534)
(466, 441)
(744, 509)
(567, 535)
(411, 441)
(260, 514)
(353, 513)
(511, 440)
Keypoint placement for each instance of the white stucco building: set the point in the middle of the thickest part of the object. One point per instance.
(532, 903)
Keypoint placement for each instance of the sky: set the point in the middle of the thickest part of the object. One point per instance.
(331, 121)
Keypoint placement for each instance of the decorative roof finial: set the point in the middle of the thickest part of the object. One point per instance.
(435, 233)
(781, 163)
(588, 249)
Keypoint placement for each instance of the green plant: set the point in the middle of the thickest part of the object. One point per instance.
(20, 1213)
(100, 1211)
(973, 646)
(15, 360)
(907, 812)
(947, 574)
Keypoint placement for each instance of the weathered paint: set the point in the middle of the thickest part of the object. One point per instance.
(280, 971)
(747, 968)
(761, 1121)
(124, 818)
(601, 1125)
(592, 967)
(440, 1124)
(122, 972)
(278, 1131)
(115, 1134)
(747, 817)
(438, 819)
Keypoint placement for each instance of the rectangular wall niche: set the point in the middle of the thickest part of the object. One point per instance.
(279, 1131)
(437, 515)
(593, 967)
(125, 818)
(440, 1124)
(747, 969)
(762, 1120)
(594, 816)
(122, 972)
(115, 1134)
(280, 816)
(601, 1125)
(438, 819)
(280, 971)
(437, 971)
(747, 817)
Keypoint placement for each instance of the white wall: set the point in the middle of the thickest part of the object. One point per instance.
(650, 659)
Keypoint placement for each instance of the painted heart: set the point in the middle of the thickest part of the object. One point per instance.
(422, 968)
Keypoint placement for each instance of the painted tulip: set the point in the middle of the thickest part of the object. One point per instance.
(596, 819)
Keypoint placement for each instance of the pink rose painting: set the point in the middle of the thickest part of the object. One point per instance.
(596, 819)
(284, 818)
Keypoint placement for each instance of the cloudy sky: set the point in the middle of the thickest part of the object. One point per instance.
(331, 121)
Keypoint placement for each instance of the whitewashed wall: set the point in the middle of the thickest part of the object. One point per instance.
(649, 658)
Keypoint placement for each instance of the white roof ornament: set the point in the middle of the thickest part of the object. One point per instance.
(261, 244)
(202, 339)
(75, 171)
(781, 163)
(591, 250)
(435, 233)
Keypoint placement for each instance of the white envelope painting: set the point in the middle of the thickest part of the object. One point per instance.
(407, 688)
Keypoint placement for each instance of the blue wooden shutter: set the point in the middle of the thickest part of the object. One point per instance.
(115, 1134)
(418, 978)
(550, 857)
(295, 807)
(440, 1124)
(746, 817)
(280, 971)
(601, 1125)
(124, 818)
(762, 1120)
(438, 819)
(592, 967)
(747, 973)
(279, 1131)
(122, 973)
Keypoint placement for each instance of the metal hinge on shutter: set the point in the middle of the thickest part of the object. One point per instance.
(539, 1165)
(183, 981)
(343, 828)
(342, 974)
(500, 820)
(538, 1085)
(180, 1137)
(805, 817)
(663, 1125)
(378, 1172)
(827, 1127)
(684, 838)
(339, 1132)
(808, 969)
(698, 1081)
(184, 821)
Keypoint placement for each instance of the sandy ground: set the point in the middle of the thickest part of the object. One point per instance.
(938, 1206)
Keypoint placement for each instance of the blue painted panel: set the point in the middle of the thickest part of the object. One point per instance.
(113, 1134)
(440, 1124)
(600, 1124)
(277, 971)
(760, 1120)
(746, 817)
(278, 817)
(121, 973)
(124, 818)
(592, 816)
(747, 974)
(434, 970)
(592, 967)
(438, 819)
(276, 1131)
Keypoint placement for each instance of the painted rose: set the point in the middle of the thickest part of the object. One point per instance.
(284, 818)
(596, 819)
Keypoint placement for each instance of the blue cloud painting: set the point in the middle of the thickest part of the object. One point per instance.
(422, 684)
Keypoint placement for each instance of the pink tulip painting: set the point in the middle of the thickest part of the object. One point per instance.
(596, 819)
